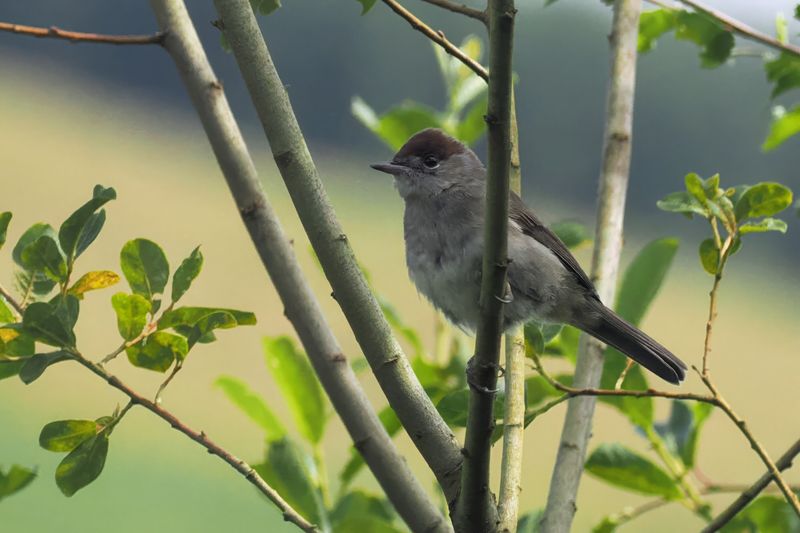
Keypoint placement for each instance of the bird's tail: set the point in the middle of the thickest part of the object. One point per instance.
(628, 339)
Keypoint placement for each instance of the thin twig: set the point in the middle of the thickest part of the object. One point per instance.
(750, 493)
(81, 37)
(773, 469)
(289, 514)
(572, 392)
(475, 509)
(19, 310)
(470, 12)
(736, 26)
(712, 315)
(437, 37)
(569, 466)
(628, 514)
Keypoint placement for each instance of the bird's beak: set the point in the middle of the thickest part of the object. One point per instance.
(390, 168)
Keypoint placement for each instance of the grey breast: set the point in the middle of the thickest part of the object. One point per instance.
(444, 253)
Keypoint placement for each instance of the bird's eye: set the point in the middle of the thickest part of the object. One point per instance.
(430, 162)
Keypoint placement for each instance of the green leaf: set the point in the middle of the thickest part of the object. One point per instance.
(298, 385)
(16, 479)
(643, 279)
(784, 72)
(252, 405)
(391, 424)
(359, 511)
(407, 332)
(366, 5)
(716, 42)
(35, 283)
(44, 255)
(709, 256)
(82, 465)
(35, 366)
(784, 125)
(767, 514)
(529, 522)
(473, 125)
(694, 186)
(5, 218)
(395, 126)
(30, 236)
(92, 281)
(6, 316)
(620, 466)
(90, 231)
(131, 310)
(766, 224)
(15, 341)
(66, 435)
(687, 449)
(186, 273)
(198, 323)
(11, 367)
(158, 351)
(290, 470)
(453, 408)
(146, 268)
(638, 410)
(538, 389)
(682, 202)
(74, 229)
(538, 335)
(190, 316)
(572, 234)
(50, 324)
(654, 24)
(763, 200)
(265, 7)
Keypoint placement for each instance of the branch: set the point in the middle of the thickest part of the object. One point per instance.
(772, 467)
(560, 509)
(748, 32)
(475, 509)
(472, 13)
(393, 371)
(80, 37)
(289, 514)
(18, 308)
(275, 250)
(514, 375)
(437, 37)
(749, 494)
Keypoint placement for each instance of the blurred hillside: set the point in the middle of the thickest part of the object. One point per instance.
(73, 116)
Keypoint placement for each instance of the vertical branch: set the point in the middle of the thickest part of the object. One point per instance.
(414, 408)
(561, 507)
(475, 510)
(275, 250)
(514, 376)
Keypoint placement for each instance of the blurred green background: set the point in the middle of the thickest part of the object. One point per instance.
(72, 116)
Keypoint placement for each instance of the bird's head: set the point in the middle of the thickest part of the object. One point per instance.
(430, 162)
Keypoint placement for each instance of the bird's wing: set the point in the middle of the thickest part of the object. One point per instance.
(533, 227)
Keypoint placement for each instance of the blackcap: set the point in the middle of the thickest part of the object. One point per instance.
(443, 184)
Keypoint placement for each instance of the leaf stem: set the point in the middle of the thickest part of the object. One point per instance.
(462, 9)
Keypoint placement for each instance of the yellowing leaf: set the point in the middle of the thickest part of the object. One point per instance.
(92, 281)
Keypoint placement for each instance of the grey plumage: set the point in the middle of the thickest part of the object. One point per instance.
(443, 185)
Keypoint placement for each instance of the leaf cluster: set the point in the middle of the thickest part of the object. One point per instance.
(45, 335)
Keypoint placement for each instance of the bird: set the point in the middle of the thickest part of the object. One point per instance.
(443, 185)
